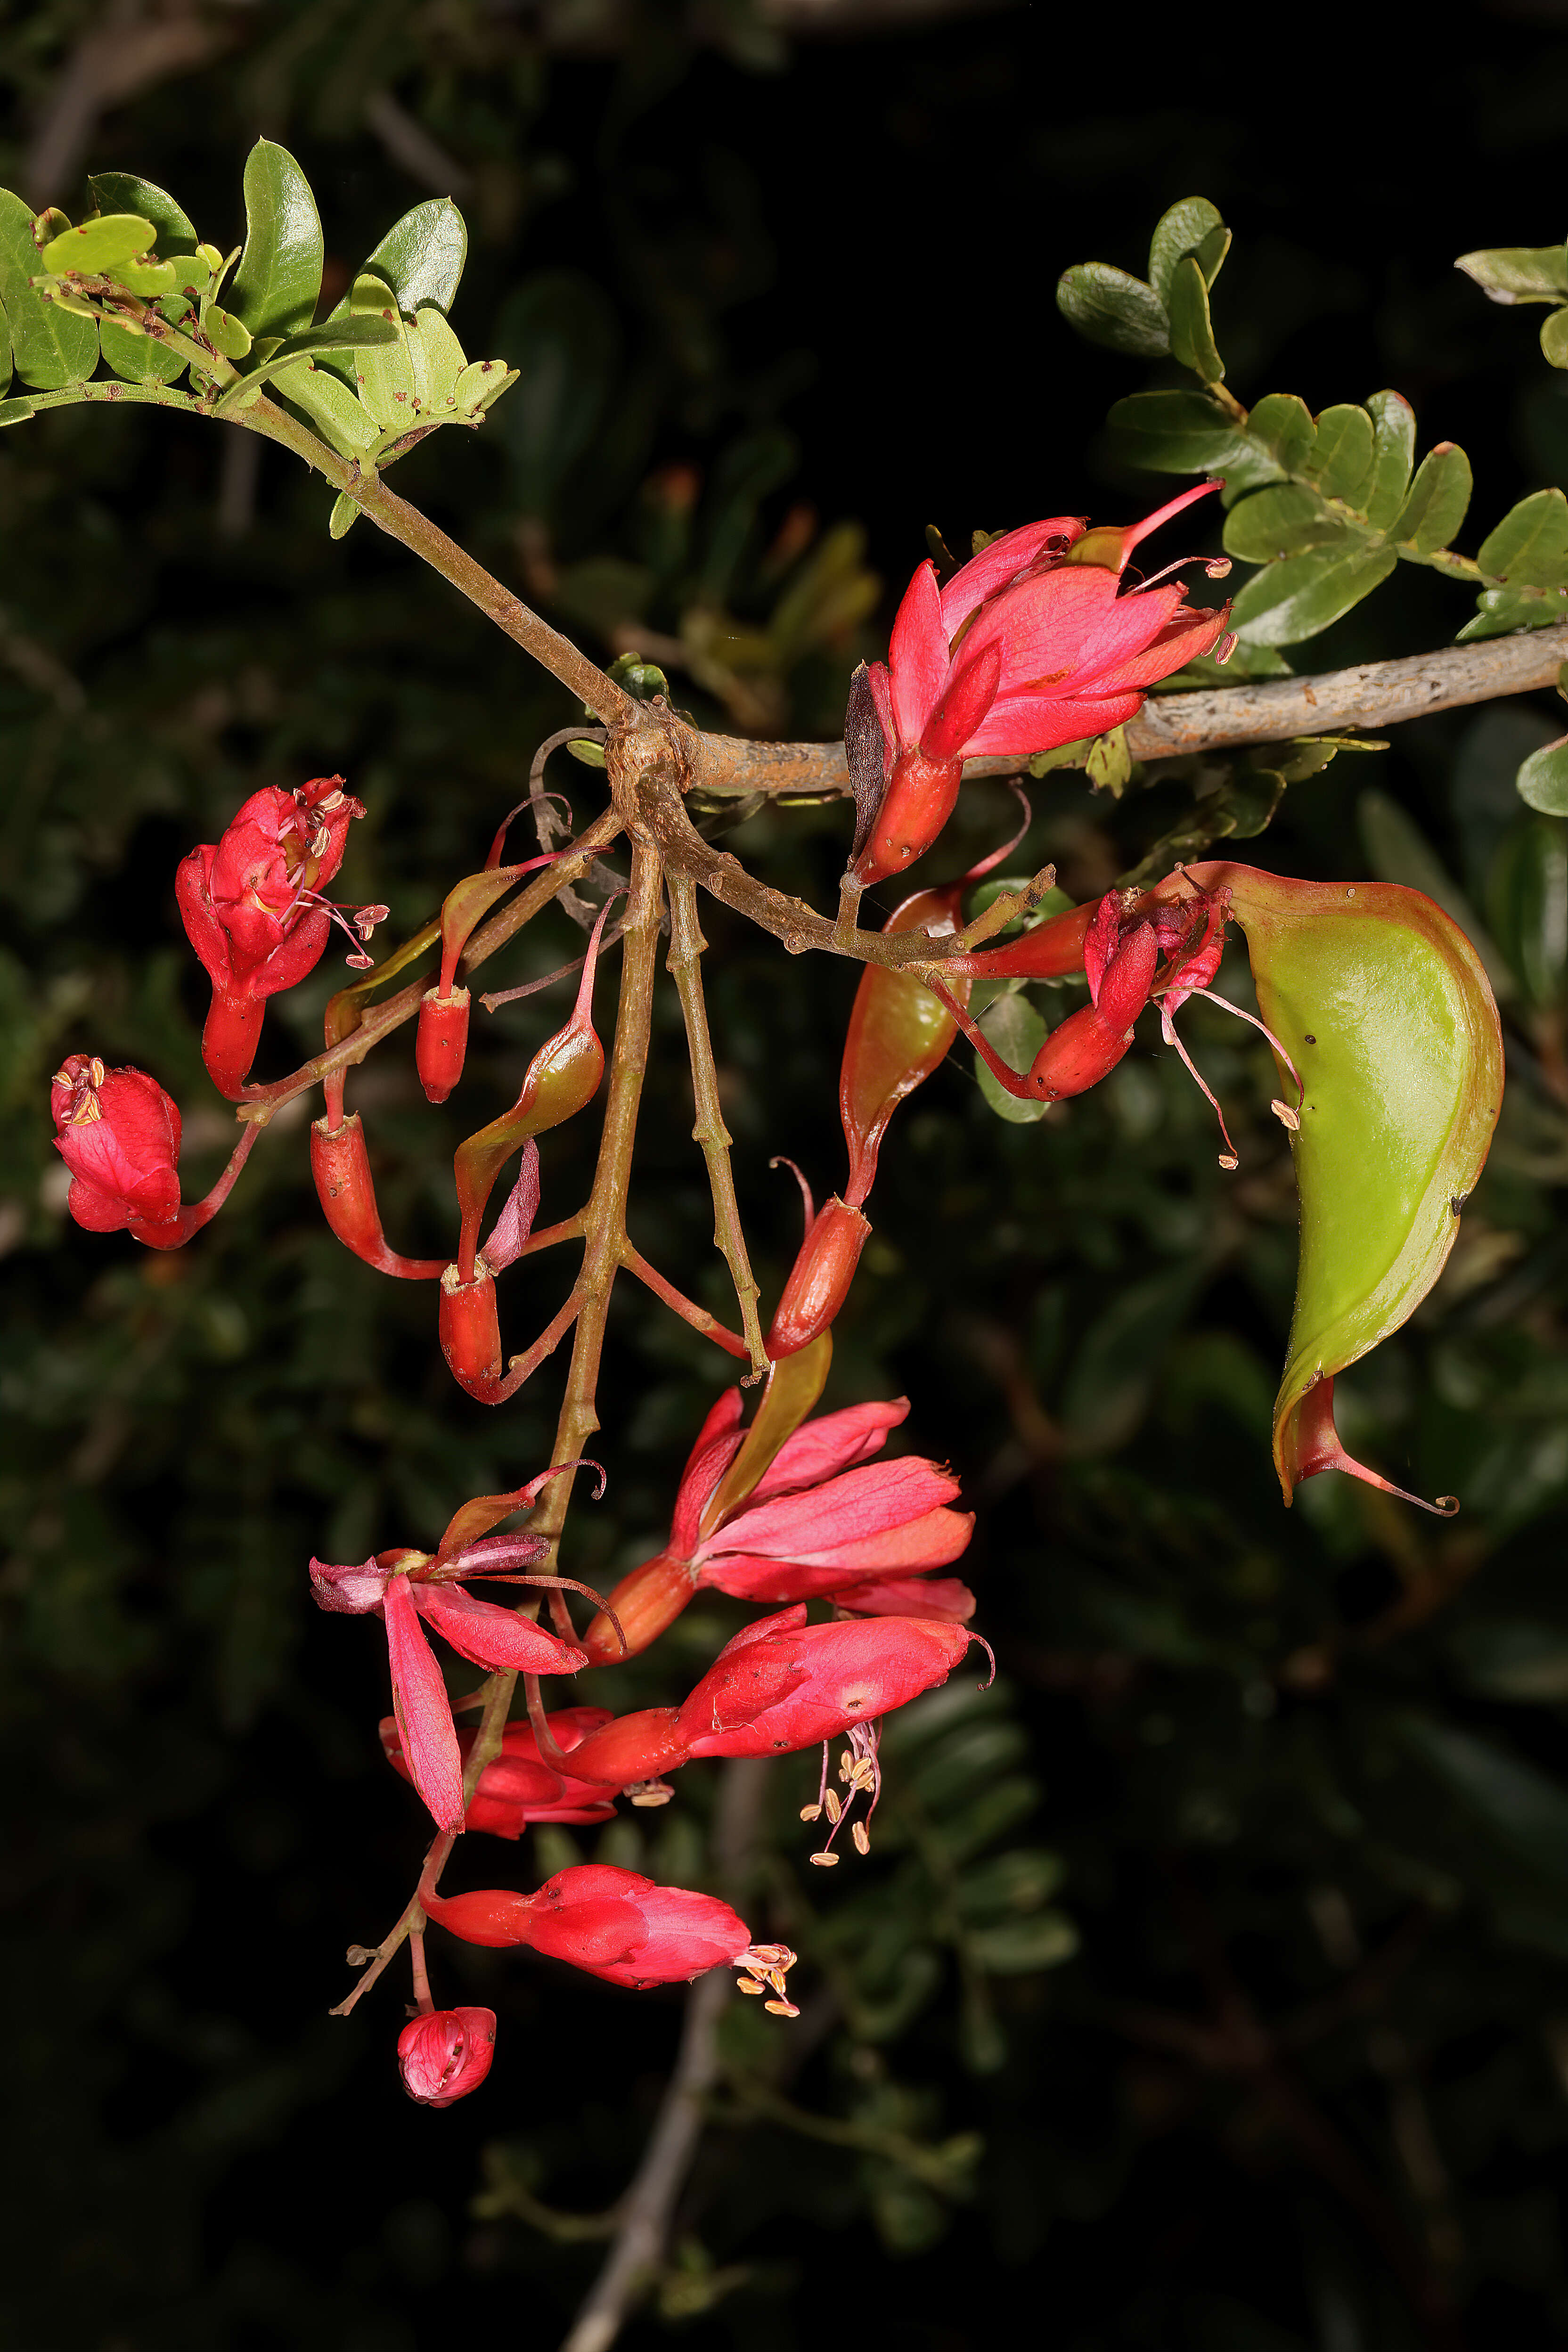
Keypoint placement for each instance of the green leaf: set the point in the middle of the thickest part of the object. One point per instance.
(1438, 501)
(1529, 549)
(1108, 766)
(1111, 309)
(5, 351)
(1021, 1947)
(1527, 888)
(15, 412)
(1175, 433)
(1192, 331)
(1284, 519)
(1342, 458)
(1502, 609)
(136, 358)
(122, 192)
(1192, 227)
(1017, 1031)
(1518, 273)
(343, 517)
(421, 258)
(279, 280)
(329, 405)
(1284, 425)
(336, 335)
(1294, 599)
(99, 247)
(482, 384)
(225, 332)
(438, 360)
(1393, 454)
(1554, 339)
(1542, 781)
(51, 347)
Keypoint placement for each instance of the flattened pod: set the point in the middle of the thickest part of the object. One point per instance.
(1385, 1004)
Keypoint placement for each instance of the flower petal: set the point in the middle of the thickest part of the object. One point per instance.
(350, 1592)
(861, 1503)
(917, 655)
(910, 1596)
(718, 1442)
(489, 1635)
(833, 1442)
(998, 566)
(423, 1710)
(1038, 723)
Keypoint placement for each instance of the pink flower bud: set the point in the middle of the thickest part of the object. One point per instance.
(446, 2053)
(610, 1923)
(783, 1684)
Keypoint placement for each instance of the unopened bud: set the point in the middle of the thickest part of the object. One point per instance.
(644, 1602)
(471, 1330)
(441, 1041)
(820, 1278)
(446, 2053)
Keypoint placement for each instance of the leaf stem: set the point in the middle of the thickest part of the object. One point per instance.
(685, 965)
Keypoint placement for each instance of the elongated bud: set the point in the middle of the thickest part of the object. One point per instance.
(633, 1748)
(561, 1081)
(446, 2053)
(820, 1278)
(1109, 547)
(230, 1035)
(898, 1034)
(646, 1602)
(471, 1330)
(441, 1041)
(346, 1190)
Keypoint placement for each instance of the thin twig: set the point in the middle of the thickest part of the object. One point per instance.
(685, 965)
(1372, 694)
(645, 2212)
(678, 1304)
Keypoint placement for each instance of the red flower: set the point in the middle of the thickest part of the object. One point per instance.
(446, 2053)
(400, 1588)
(518, 1787)
(252, 910)
(612, 1923)
(783, 1684)
(118, 1134)
(1029, 645)
(815, 1524)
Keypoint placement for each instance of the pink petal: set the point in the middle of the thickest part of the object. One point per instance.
(491, 1636)
(927, 1542)
(423, 1709)
(1044, 625)
(718, 1442)
(861, 1503)
(833, 1442)
(916, 655)
(908, 1596)
(1189, 633)
(351, 1591)
(1039, 722)
(996, 566)
(969, 694)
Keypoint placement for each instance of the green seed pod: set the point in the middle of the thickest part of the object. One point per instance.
(1388, 1011)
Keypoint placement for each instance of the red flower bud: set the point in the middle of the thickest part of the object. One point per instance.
(446, 2053)
(346, 1190)
(559, 1081)
(517, 1786)
(441, 1041)
(898, 1034)
(611, 1923)
(819, 1280)
(471, 1331)
(633, 1748)
(783, 1684)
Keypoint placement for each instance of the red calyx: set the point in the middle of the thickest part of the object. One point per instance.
(441, 1041)
(820, 1278)
(346, 1190)
(471, 1332)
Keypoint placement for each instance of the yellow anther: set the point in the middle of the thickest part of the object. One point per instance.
(826, 1861)
(810, 1812)
(781, 2009)
(835, 1810)
(862, 1837)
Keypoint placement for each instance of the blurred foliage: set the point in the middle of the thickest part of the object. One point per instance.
(1205, 1984)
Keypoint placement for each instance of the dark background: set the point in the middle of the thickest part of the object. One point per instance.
(1305, 1769)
